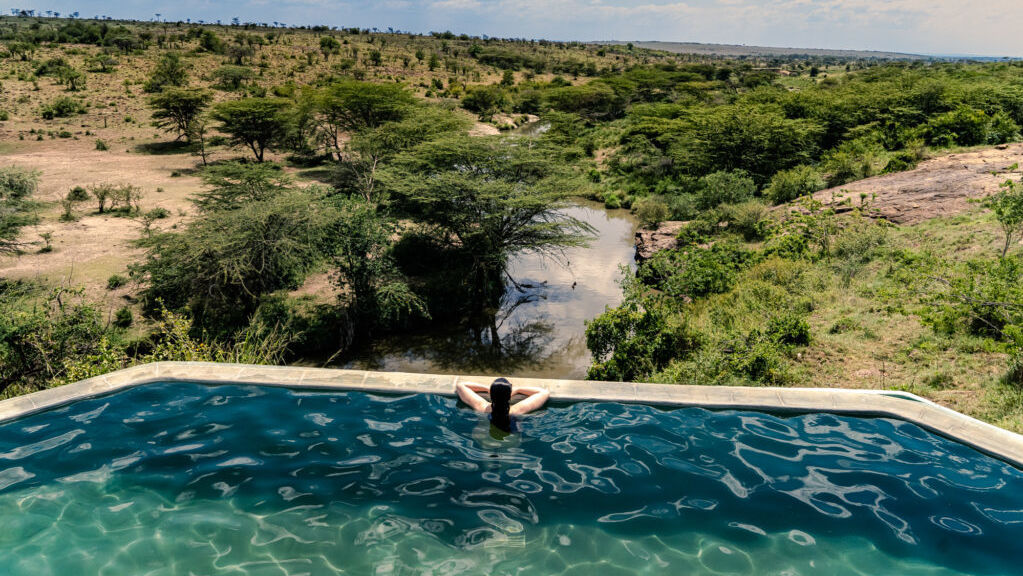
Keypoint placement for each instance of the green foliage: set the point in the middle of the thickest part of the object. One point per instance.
(235, 184)
(121, 198)
(124, 318)
(17, 185)
(37, 338)
(101, 146)
(788, 185)
(169, 71)
(651, 211)
(492, 198)
(116, 281)
(62, 107)
(223, 262)
(231, 77)
(358, 246)
(1007, 206)
(725, 188)
(694, 271)
(486, 101)
(637, 339)
(964, 126)
(176, 109)
(751, 219)
(259, 123)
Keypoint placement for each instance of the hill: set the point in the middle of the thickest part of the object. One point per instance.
(739, 51)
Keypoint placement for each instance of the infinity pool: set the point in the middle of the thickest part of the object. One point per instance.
(190, 479)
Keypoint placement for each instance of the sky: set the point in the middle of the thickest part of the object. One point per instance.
(974, 27)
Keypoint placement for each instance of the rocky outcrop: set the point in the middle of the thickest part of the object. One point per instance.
(943, 186)
(650, 242)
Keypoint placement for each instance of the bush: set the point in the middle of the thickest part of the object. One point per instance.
(78, 194)
(725, 188)
(788, 185)
(612, 201)
(789, 329)
(964, 126)
(694, 272)
(751, 219)
(157, 213)
(124, 318)
(62, 107)
(101, 145)
(651, 210)
(116, 281)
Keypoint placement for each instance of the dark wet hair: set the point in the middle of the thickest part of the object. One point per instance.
(500, 397)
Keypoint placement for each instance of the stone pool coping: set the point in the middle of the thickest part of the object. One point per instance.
(982, 436)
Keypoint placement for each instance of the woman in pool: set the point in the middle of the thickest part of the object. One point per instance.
(500, 409)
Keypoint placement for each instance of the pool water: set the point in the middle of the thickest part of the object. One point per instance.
(189, 479)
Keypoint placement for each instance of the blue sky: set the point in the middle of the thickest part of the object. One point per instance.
(988, 27)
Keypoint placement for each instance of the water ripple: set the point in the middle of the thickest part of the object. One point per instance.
(183, 479)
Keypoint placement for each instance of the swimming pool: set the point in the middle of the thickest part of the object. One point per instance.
(188, 478)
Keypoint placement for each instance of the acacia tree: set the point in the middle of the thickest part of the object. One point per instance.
(232, 185)
(222, 264)
(368, 150)
(16, 207)
(491, 199)
(258, 123)
(170, 71)
(176, 110)
(351, 106)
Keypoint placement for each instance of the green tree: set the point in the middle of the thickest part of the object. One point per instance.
(232, 185)
(329, 45)
(492, 199)
(259, 123)
(351, 106)
(176, 109)
(369, 149)
(17, 185)
(358, 242)
(485, 101)
(170, 71)
(797, 182)
(1007, 205)
(231, 77)
(222, 263)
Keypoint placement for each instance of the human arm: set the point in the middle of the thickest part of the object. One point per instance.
(536, 397)
(467, 391)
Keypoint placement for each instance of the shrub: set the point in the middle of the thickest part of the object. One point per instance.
(78, 194)
(612, 201)
(751, 219)
(157, 213)
(124, 318)
(725, 188)
(789, 329)
(101, 145)
(651, 210)
(116, 281)
(788, 185)
(62, 107)
(964, 126)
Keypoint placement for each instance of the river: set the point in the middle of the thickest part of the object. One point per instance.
(540, 326)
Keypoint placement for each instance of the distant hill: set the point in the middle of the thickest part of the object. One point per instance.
(732, 50)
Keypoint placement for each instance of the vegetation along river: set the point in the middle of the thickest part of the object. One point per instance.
(540, 325)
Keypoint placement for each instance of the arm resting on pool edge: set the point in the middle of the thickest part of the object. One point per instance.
(467, 392)
(537, 397)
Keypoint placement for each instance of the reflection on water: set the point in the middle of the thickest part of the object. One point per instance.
(538, 330)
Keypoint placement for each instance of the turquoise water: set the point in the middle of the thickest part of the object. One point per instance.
(188, 479)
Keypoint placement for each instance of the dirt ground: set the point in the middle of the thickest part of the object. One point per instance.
(87, 252)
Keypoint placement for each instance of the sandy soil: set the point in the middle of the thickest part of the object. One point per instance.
(88, 251)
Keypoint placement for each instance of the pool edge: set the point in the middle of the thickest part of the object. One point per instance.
(987, 438)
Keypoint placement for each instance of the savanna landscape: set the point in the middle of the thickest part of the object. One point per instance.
(251, 193)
